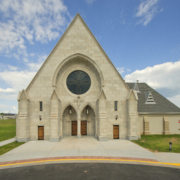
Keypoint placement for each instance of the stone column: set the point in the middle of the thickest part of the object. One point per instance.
(96, 125)
(61, 129)
(89, 125)
(23, 134)
(79, 125)
(55, 117)
(132, 116)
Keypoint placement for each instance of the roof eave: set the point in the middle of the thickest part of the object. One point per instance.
(159, 113)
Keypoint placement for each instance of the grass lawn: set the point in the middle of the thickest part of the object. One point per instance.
(160, 143)
(7, 129)
(8, 147)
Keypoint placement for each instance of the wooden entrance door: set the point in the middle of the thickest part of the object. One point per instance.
(40, 132)
(74, 128)
(83, 127)
(115, 132)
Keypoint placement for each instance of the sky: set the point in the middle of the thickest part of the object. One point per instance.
(141, 37)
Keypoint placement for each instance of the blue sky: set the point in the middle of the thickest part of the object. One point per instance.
(141, 37)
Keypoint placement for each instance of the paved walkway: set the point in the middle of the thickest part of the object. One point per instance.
(168, 157)
(77, 147)
(2, 143)
(86, 149)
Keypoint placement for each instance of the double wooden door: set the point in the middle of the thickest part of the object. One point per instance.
(40, 132)
(115, 132)
(83, 128)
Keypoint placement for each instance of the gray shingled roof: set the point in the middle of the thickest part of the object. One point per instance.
(162, 104)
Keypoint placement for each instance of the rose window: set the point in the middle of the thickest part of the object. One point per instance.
(78, 82)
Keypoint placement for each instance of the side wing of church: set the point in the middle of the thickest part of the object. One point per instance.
(79, 92)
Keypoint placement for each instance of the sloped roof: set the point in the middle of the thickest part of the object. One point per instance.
(162, 104)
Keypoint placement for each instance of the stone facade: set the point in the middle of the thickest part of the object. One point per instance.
(77, 50)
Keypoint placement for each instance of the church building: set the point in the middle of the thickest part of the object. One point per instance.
(79, 92)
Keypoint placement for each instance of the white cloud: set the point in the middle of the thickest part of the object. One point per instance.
(163, 77)
(13, 68)
(18, 80)
(146, 11)
(29, 21)
(8, 90)
(121, 70)
(90, 1)
(175, 100)
(128, 70)
(7, 108)
(25, 60)
(16, 56)
(32, 54)
(34, 66)
(42, 57)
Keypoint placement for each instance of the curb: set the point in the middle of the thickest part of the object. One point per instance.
(77, 159)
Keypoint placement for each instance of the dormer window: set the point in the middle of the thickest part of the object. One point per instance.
(149, 98)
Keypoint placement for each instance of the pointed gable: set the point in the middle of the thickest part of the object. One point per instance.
(78, 39)
(54, 95)
(132, 95)
(23, 95)
(102, 95)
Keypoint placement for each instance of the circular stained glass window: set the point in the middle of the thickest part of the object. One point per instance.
(78, 82)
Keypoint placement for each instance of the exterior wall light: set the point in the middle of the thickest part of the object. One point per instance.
(39, 117)
(87, 111)
(70, 110)
(116, 117)
(170, 146)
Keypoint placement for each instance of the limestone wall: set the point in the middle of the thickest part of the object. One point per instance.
(77, 39)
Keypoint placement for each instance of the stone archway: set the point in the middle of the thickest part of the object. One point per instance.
(68, 117)
(88, 118)
(75, 56)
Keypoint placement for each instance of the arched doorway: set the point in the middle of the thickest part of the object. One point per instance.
(69, 121)
(88, 121)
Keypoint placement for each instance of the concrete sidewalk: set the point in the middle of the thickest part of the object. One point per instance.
(86, 147)
(72, 146)
(2, 143)
(168, 157)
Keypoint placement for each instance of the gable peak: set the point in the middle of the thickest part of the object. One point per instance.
(54, 94)
(102, 94)
(23, 95)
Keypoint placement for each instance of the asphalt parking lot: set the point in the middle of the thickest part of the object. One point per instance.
(88, 171)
